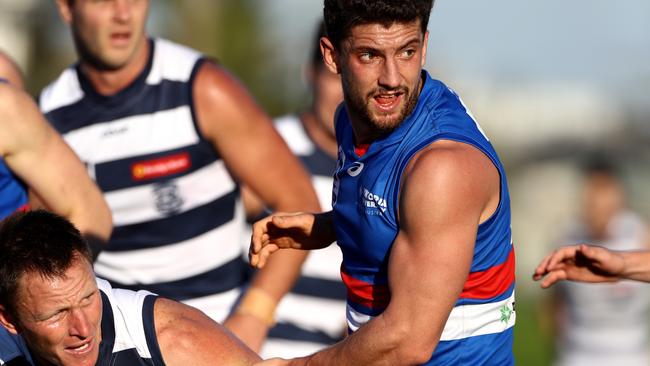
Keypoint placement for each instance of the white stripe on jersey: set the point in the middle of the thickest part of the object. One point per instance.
(323, 315)
(276, 347)
(324, 263)
(136, 205)
(63, 92)
(323, 187)
(216, 306)
(293, 133)
(163, 264)
(464, 321)
(134, 136)
(172, 62)
(127, 316)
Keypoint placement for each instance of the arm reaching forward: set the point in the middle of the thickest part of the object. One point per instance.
(51, 170)
(587, 263)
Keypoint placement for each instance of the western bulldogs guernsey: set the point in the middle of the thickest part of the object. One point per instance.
(365, 200)
(128, 332)
(13, 194)
(312, 315)
(176, 210)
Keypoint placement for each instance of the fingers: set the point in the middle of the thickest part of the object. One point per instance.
(553, 277)
(540, 271)
(297, 220)
(561, 255)
(259, 234)
(594, 253)
(259, 259)
(553, 261)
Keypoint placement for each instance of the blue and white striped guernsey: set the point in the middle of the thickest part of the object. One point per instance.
(312, 315)
(176, 210)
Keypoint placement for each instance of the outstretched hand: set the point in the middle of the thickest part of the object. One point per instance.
(583, 263)
(282, 231)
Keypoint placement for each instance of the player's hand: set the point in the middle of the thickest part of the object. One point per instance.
(249, 329)
(583, 263)
(282, 231)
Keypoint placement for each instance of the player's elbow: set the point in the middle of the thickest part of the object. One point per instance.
(97, 223)
(416, 352)
(412, 345)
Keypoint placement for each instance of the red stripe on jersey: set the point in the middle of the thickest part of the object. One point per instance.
(366, 294)
(23, 208)
(491, 282)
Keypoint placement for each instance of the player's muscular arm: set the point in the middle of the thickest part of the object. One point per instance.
(427, 271)
(256, 155)
(40, 157)
(186, 336)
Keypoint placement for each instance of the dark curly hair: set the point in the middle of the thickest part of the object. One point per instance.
(342, 15)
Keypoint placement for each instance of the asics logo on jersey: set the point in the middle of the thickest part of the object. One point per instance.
(355, 169)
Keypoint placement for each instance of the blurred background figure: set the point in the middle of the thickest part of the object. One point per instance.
(312, 315)
(604, 324)
(168, 134)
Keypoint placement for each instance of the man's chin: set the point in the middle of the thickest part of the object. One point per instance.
(387, 121)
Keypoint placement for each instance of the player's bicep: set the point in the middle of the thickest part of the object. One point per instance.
(440, 209)
(186, 336)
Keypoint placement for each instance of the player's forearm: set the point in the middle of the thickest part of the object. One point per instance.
(637, 266)
(379, 342)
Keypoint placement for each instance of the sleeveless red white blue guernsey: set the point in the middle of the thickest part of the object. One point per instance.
(13, 194)
(365, 205)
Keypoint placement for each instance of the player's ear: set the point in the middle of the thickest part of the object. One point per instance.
(7, 320)
(330, 56)
(65, 10)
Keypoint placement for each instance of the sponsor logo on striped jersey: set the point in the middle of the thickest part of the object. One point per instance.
(161, 167)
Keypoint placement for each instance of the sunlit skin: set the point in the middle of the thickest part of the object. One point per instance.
(109, 36)
(381, 73)
(59, 318)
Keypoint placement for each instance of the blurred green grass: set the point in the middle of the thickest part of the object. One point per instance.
(533, 345)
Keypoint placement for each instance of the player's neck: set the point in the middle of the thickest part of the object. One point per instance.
(318, 133)
(110, 82)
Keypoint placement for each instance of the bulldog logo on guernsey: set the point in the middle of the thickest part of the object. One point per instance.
(373, 203)
(161, 167)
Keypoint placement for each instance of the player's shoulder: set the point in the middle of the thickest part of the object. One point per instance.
(128, 303)
(62, 91)
(448, 159)
(172, 61)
